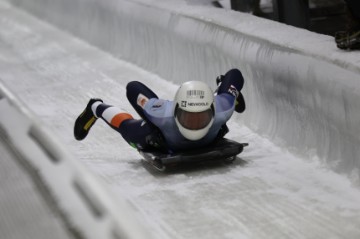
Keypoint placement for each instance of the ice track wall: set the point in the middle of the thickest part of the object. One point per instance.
(72, 192)
(300, 90)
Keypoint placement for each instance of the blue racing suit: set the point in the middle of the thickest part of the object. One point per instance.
(161, 114)
(157, 128)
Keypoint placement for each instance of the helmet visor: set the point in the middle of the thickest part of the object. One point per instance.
(194, 120)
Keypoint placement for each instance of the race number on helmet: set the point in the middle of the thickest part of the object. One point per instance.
(194, 109)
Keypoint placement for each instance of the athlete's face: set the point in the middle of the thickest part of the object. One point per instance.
(194, 120)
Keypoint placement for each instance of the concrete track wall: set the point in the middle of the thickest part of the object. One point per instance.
(300, 90)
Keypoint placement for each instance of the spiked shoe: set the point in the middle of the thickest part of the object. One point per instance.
(85, 121)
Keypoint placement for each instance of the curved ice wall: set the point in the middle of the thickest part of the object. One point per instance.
(300, 90)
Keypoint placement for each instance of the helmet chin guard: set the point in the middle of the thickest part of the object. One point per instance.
(194, 109)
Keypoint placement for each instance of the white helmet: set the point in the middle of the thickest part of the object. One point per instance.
(194, 109)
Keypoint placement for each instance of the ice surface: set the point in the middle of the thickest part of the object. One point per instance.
(267, 193)
(301, 91)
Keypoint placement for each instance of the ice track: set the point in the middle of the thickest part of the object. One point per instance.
(266, 193)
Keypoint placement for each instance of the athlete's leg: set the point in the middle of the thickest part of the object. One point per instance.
(136, 132)
(232, 83)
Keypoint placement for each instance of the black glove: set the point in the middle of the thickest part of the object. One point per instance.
(219, 79)
(240, 103)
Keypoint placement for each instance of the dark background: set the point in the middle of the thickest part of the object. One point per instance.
(321, 16)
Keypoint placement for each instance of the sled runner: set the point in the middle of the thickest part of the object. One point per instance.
(223, 149)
